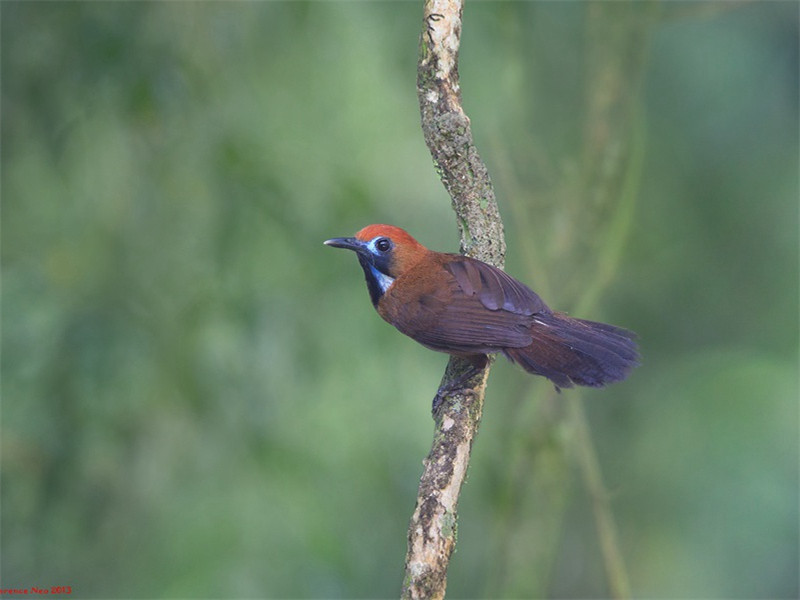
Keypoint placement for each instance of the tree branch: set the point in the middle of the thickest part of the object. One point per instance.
(432, 530)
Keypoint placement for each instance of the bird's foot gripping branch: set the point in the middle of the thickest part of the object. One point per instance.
(458, 379)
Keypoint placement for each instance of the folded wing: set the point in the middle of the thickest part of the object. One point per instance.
(483, 310)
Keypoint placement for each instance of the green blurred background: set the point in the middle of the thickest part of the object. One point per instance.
(198, 399)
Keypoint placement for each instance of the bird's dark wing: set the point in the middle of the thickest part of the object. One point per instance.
(479, 310)
(494, 288)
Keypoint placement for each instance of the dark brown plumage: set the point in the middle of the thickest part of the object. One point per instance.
(464, 307)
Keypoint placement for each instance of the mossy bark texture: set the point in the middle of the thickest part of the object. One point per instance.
(432, 530)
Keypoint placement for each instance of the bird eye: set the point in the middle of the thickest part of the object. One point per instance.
(383, 245)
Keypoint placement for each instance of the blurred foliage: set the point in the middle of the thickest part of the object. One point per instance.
(198, 400)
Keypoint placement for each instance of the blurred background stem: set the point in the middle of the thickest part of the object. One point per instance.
(597, 204)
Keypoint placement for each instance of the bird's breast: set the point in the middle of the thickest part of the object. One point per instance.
(416, 299)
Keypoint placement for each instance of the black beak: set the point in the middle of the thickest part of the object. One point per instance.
(348, 243)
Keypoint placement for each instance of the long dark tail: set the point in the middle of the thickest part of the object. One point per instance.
(572, 351)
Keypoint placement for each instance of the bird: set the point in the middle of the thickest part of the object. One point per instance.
(464, 307)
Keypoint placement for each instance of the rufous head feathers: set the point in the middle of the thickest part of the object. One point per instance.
(406, 251)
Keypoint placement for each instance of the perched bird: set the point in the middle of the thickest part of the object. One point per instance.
(467, 308)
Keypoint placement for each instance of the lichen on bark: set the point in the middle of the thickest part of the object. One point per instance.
(432, 531)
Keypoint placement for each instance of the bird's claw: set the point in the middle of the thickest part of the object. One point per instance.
(449, 390)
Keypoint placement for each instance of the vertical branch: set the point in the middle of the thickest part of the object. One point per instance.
(432, 530)
(448, 135)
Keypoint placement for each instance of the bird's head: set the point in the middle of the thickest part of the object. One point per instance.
(385, 253)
